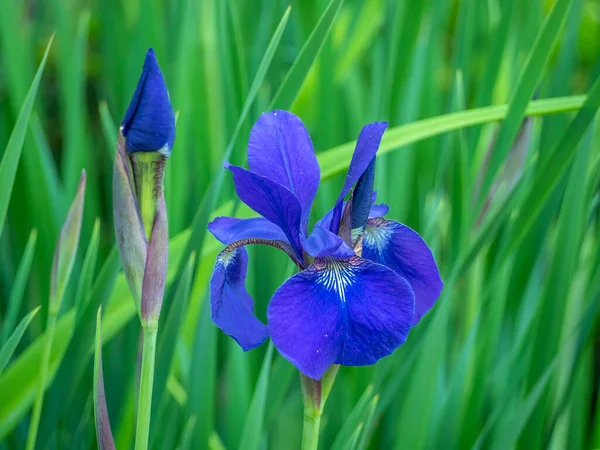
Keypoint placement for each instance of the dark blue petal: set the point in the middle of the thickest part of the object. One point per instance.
(362, 198)
(280, 149)
(401, 249)
(323, 242)
(350, 312)
(230, 304)
(366, 148)
(377, 210)
(229, 229)
(149, 123)
(272, 201)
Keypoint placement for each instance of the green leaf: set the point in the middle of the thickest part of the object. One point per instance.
(526, 84)
(18, 288)
(336, 160)
(11, 344)
(12, 153)
(253, 428)
(66, 249)
(169, 332)
(86, 276)
(104, 436)
(292, 83)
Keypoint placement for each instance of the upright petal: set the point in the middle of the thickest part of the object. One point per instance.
(378, 210)
(272, 201)
(362, 198)
(323, 242)
(401, 249)
(280, 149)
(232, 308)
(366, 148)
(350, 312)
(229, 229)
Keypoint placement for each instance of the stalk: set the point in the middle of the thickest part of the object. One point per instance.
(39, 399)
(146, 384)
(310, 429)
(315, 393)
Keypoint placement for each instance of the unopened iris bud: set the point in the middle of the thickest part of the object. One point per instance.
(147, 135)
(149, 132)
(149, 123)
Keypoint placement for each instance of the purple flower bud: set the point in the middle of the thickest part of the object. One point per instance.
(149, 123)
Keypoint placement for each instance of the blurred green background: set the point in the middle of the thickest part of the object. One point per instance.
(509, 356)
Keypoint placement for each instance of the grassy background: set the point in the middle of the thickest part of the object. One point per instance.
(508, 357)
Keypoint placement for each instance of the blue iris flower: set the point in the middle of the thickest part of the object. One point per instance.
(364, 281)
(149, 123)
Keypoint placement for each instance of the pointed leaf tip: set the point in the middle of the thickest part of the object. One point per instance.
(66, 248)
(103, 432)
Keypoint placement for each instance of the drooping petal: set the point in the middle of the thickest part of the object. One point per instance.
(232, 308)
(149, 123)
(280, 149)
(229, 229)
(350, 312)
(272, 201)
(323, 242)
(366, 148)
(401, 249)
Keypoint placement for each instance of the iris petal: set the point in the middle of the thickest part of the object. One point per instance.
(280, 149)
(401, 249)
(344, 311)
(367, 145)
(231, 305)
(229, 229)
(377, 210)
(272, 201)
(323, 242)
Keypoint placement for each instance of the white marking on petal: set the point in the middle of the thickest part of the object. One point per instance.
(377, 236)
(225, 257)
(337, 275)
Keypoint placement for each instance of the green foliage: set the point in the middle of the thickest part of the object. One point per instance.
(505, 359)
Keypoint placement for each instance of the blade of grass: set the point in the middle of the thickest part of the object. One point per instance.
(170, 331)
(292, 83)
(12, 153)
(253, 427)
(18, 288)
(11, 344)
(525, 87)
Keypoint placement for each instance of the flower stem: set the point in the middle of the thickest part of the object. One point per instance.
(310, 430)
(315, 393)
(39, 399)
(146, 382)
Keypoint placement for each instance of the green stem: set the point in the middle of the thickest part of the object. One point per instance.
(314, 394)
(146, 382)
(310, 430)
(39, 399)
